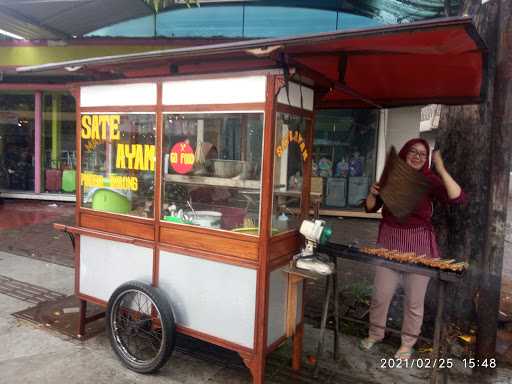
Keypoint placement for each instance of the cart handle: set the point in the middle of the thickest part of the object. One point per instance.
(72, 231)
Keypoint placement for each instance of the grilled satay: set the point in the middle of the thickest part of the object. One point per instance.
(413, 258)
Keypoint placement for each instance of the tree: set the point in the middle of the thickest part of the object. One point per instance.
(475, 141)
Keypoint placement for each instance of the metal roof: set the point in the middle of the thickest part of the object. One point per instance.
(65, 19)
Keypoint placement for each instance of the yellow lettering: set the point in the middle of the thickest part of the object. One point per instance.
(124, 182)
(120, 157)
(86, 126)
(174, 157)
(102, 123)
(95, 129)
(115, 133)
(130, 153)
(91, 180)
(187, 158)
(149, 157)
(139, 157)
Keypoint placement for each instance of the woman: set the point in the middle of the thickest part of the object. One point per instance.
(413, 233)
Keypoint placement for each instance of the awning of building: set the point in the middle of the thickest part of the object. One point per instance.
(57, 19)
(440, 61)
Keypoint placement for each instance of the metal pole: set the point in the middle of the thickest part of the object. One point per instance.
(437, 330)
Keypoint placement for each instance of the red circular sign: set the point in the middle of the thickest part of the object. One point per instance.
(182, 157)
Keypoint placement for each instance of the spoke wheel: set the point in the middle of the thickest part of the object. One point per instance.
(141, 326)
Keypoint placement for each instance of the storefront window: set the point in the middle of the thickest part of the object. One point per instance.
(118, 163)
(344, 155)
(58, 143)
(290, 157)
(17, 141)
(212, 170)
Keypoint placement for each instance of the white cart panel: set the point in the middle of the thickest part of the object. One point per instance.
(211, 297)
(249, 89)
(295, 91)
(277, 305)
(119, 94)
(277, 297)
(106, 264)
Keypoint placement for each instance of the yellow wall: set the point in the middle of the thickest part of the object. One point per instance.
(22, 56)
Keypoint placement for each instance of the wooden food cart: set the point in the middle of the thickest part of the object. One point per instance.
(194, 172)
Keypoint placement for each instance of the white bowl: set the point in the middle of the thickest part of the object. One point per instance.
(209, 219)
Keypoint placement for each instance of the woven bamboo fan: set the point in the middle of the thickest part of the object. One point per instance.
(401, 187)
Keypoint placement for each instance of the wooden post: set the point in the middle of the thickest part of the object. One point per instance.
(475, 143)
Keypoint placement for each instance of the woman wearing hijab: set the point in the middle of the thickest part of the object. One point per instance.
(414, 233)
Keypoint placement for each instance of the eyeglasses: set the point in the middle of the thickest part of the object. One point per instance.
(414, 153)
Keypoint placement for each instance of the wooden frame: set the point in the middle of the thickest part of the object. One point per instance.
(263, 253)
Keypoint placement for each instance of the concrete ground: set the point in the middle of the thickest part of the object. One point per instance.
(35, 354)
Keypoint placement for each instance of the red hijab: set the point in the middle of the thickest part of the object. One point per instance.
(407, 147)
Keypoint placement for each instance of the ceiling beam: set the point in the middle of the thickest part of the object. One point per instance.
(25, 22)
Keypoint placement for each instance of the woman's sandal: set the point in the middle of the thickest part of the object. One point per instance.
(367, 343)
(404, 355)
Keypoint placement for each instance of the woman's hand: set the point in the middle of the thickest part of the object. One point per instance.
(375, 189)
(437, 160)
(371, 200)
(452, 188)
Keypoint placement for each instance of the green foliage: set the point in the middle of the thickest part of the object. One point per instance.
(159, 5)
(361, 292)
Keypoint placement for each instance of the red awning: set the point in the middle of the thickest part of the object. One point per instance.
(441, 61)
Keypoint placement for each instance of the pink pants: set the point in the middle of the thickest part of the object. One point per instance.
(385, 284)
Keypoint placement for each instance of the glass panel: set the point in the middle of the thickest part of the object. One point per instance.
(58, 154)
(223, 20)
(344, 155)
(212, 170)
(286, 21)
(140, 27)
(349, 21)
(290, 156)
(118, 163)
(17, 141)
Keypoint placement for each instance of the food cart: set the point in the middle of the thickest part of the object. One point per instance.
(194, 170)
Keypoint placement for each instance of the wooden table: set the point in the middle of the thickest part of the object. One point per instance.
(336, 251)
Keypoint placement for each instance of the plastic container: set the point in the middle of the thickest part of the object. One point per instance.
(110, 201)
(282, 222)
(232, 217)
(69, 180)
(209, 219)
(227, 168)
(53, 180)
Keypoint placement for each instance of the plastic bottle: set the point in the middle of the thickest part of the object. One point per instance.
(282, 222)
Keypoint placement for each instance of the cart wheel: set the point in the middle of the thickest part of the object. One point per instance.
(141, 326)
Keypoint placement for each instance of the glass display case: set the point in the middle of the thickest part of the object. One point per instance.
(212, 170)
(118, 163)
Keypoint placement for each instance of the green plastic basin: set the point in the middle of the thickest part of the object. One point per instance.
(110, 201)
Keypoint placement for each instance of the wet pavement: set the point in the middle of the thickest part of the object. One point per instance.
(38, 354)
(26, 229)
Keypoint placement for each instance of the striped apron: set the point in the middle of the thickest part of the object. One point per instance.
(417, 239)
